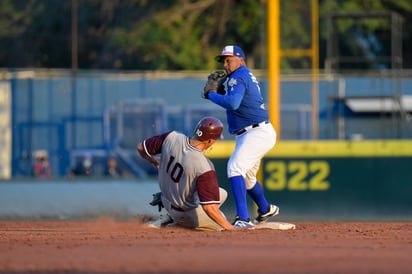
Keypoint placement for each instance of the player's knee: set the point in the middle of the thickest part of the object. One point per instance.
(222, 195)
(234, 170)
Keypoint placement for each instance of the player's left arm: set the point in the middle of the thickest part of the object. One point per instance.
(208, 191)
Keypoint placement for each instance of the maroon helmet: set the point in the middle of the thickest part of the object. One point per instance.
(209, 128)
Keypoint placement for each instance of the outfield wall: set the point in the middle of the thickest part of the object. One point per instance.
(331, 178)
(76, 199)
(325, 180)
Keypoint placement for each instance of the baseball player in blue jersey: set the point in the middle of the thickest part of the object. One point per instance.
(248, 120)
(187, 178)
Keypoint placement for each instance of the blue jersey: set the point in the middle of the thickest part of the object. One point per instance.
(243, 101)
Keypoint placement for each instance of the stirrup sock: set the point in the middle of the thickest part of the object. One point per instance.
(238, 185)
(257, 195)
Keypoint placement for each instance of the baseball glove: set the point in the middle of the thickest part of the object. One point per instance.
(157, 200)
(215, 83)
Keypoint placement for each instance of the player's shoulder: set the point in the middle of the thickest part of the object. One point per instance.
(173, 134)
(242, 73)
(243, 70)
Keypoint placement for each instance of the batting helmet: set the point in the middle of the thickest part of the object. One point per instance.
(209, 128)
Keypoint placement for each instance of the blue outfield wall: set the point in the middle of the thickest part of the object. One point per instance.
(325, 180)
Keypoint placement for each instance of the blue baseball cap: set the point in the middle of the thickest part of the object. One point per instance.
(231, 50)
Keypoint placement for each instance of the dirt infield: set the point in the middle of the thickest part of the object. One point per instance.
(108, 246)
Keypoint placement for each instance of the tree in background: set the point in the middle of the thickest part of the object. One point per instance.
(164, 35)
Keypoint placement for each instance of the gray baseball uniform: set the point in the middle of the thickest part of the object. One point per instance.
(187, 179)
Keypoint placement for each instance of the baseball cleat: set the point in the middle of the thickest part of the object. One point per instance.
(162, 221)
(242, 223)
(273, 211)
(166, 221)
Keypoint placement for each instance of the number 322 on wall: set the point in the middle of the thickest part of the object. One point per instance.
(297, 175)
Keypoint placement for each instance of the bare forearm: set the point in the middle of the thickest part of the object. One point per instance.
(216, 215)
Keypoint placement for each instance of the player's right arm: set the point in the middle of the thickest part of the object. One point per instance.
(229, 101)
(150, 147)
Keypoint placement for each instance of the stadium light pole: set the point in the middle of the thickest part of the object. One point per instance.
(315, 68)
(274, 63)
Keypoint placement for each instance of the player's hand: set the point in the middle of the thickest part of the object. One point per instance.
(155, 161)
(215, 83)
(157, 201)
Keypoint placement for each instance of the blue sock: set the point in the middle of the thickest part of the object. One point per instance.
(257, 195)
(238, 185)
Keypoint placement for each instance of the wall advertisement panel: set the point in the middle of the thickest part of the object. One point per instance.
(333, 178)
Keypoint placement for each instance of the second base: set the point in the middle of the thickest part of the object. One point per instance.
(275, 225)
